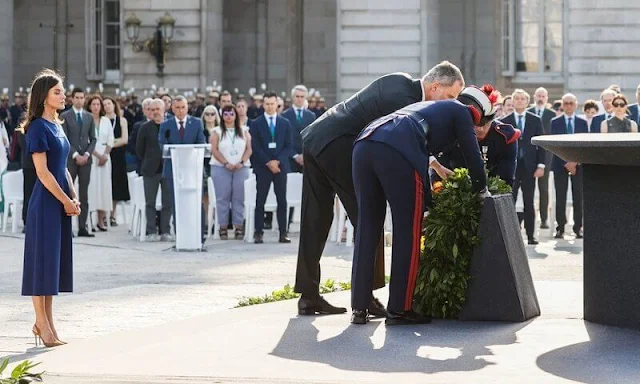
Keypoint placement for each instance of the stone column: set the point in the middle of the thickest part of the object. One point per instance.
(212, 42)
(6, 41)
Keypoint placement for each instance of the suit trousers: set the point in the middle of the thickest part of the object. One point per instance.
(543, 189)
(84, 176)
(151, 185)
(381, 174)
(324, 176)
(561, 182)
(264, 178)
(525, 180)
(29, 182)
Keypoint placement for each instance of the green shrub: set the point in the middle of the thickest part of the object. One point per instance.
(20, 374)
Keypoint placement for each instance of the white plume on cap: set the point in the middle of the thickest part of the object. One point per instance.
(481, 98)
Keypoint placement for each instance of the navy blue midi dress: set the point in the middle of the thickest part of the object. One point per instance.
(47, 244)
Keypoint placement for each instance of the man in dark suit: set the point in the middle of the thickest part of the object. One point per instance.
(300, 118)
(271, 144)
(149, 152)
(133, 135)
(606, 97)
(568, 123)
(530, 164)
(180, 129)
(541, 98)
(80, 130)
(327, 148)
(633, 108)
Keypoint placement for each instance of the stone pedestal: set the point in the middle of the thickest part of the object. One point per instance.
(611, 178)
(501, 287)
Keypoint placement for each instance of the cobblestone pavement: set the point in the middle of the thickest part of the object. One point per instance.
(122, 284)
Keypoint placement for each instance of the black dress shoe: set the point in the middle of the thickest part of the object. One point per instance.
(102, 229)
(407, 317)
(309, 307)
(533, 242)
(85, 233)
(359, 316)
(258, 238)
(559, 235)
(544, 225)
(579, 234)
(376, 309)
(284, 239)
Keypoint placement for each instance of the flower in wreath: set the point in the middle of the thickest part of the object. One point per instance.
(437, 187)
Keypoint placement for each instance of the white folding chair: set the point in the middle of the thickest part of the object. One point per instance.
(249, 207)
(294, 192)
(12, 188)
(211, 211)
(343, 221)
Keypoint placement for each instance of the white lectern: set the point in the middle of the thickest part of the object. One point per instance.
(187, 163)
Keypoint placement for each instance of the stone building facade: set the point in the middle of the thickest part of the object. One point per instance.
(335, 46)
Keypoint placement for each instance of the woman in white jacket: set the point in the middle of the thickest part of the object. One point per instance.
(100, 184)
(4, 148)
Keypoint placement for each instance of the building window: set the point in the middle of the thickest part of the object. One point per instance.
(103, 40)
(532, 35)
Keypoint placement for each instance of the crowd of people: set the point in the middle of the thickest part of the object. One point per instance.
(114, 135)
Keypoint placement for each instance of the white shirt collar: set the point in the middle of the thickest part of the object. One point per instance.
(567, 117)
(267, 116)
(424, 96)
(523, 114)
(178, 121)
(76, 111)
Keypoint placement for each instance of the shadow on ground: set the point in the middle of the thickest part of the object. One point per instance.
(437, 347)
(610, 356)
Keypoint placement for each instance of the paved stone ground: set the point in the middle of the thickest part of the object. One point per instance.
(122, 284)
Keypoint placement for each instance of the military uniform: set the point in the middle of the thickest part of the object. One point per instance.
(390, 162)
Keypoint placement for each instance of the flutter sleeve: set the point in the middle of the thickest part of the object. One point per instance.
(36, 137)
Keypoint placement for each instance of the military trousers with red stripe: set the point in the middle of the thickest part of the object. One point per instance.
(380, 174)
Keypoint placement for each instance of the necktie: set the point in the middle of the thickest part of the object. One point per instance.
(299, 116)
(570, 126)
(79, 119)
(539, 112)
(520, 125)
(521, 128)
(182, 129)
(272, 128)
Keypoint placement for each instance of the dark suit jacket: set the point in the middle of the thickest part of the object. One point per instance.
(260, 139)
(559, 127)
(148, 149)
(633, 113)
(547, 116)
(308, 117)
(596, 122)
(170, 134)
(82, 139)
(131, 144)
(383, 96)
(533, 155)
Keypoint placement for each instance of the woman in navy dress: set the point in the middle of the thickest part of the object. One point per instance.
(47, 245)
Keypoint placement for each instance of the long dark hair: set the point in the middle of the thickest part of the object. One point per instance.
(90, 100)
(116, 106)
(236, 122)
(40, 87)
